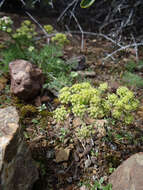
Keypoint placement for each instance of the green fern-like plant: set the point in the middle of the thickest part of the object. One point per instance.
(133, 79)
(8, 55)
(130, 66)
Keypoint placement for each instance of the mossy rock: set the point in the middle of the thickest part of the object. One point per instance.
(45, 113)
(28, 110)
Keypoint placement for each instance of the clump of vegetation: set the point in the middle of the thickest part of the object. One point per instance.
(82, 99)
(27, 110)
(133, 79)
(19, 43)
(25, 34)
(85, 131)
(97, 185)
(23, 46)
(49, 28)
(131, 66)
(60, 39)
(5, 24)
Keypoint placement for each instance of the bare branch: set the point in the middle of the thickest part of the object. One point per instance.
(66, 9)
(97, 34)
(2, 2)
(136, 48)
(122, 48)
(40, 26)
(80, 28)
(32, 18)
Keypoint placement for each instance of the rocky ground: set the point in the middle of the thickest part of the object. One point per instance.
(64, 161)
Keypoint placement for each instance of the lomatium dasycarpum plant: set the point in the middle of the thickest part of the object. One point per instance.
(83, 99)
(23, 36)
(60, 39)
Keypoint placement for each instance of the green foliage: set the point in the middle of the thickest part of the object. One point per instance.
(60, 39)
(63, 133)
(48, 58)
(98, 185)
(85, 131)
(133, 79)
(83, 99)
(130, 77)
(86, 3)
(62, 79)
(49, 28)
(10, 54)
(25, 34)
(61, 113)
(42, 108)
(20, 40)
(5, 24)
(55, 69)
(130, 66)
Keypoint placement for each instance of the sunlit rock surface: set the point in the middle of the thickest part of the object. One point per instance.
(17, 169)
(26, 79)
(129, 175)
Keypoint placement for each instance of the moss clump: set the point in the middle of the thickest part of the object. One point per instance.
(82, 99)
(28, 110)
(45, 113)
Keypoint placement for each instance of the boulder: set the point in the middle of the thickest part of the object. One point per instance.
(17, 169)
(26, 79)
(129, 175)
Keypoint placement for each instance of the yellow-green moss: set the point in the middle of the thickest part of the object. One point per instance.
(28, 110)
(45, 113)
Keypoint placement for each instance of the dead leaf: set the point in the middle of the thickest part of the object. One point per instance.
(45, 99)
(99, 126)
(89, 120)
(101, 132)
(77, 122)
(62, 155)
(140, 113)
(37, 101)
(101, 122)
(114, 85)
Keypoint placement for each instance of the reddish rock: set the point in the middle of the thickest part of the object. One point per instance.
(129, 175)
(26, 79)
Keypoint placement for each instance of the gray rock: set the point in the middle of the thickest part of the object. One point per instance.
(17, 169)
(129, 175)
(26, 79)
